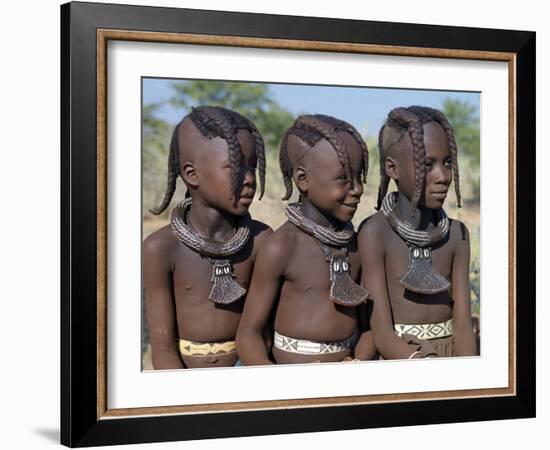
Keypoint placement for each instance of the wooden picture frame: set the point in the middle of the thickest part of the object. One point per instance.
(86, 418)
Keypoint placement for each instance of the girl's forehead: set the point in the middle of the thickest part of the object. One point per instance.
(435, 140)
(354, 150)
(194, 145)
(244, 134)
(433, 130)
(247, 142)
(323, 153)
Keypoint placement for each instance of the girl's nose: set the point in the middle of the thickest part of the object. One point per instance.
(357, 188)
(442, 174)
(249, 176)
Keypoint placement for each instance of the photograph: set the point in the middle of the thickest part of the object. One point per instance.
(285, 304)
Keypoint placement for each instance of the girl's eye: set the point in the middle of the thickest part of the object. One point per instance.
(448, 163)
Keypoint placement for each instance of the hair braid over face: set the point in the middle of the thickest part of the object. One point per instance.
(411, 120)
(260, 156)
(215, 121)
(384, 177)
(312, 128)
(225, 127)
(340, 125)
(437, 116)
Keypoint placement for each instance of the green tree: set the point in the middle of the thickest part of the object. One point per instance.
(156, 138)
(465, 120)
(252, 100)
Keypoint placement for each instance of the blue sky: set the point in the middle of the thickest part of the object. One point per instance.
(365, 108)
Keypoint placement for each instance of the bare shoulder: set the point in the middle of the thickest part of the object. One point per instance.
(260, 232)
(458, 231)
(373, 227)
(278, 245)
(160, 243)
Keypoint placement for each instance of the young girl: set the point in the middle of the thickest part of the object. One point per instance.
(306, 272)
(197, 269)
(414, 259)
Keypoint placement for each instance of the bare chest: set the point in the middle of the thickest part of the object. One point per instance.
(309, 266)
(192, 274)
(410, 307)
(398, 256)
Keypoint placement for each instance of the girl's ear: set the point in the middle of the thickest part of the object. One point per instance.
(189, 175)
(300, 178)
(390, 166)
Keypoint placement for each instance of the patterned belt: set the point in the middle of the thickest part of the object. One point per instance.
(190, 348)
(426, 330)
(306, 347)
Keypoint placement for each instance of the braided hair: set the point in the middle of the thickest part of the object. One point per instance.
(411, 120)
(311, 129)
(215, 121)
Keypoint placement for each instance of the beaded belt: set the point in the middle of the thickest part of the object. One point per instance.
(427, 330)
(190, 348)
(306, 347)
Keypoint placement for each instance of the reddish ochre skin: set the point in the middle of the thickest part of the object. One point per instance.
(291, 275)
(384, 255)
(177, 280)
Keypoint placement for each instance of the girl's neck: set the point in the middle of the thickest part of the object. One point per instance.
(209, 222)
(422, 216)
(311, 212)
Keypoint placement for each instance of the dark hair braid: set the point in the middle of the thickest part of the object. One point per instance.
(286, 166)
(215, 121)
(260, 156)
(406, 119)
(412, 120)
(311, 129)
(228, 131)
(439, 117)
(340, 125)
(416, 132)
(173, 172)
(384, 177)
(328, 131)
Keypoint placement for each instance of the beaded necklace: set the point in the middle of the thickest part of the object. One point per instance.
(420, 277)
(343, 290)
(225, 289)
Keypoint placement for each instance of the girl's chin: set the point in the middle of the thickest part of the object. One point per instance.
(435, 204)
(245, 201)
(346, 216)
(241, 209)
